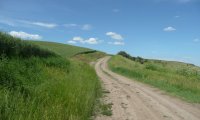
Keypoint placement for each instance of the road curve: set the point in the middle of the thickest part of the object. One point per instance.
(136, 101)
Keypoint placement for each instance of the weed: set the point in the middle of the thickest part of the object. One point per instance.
(106, 109)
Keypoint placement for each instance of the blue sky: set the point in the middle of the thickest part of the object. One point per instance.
(160, 29)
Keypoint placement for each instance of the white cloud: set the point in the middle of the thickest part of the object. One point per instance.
(83, 41)
(24, 23)
(92, 41)
(71, 25)
(114, 36)
(116, 43)
(24, 35)
(169, 29)
(196, 40)
(47, 25)
(41, 24)
(86, 27)
(71, 42)
(82, 27)
(117, 37)
(78, 39)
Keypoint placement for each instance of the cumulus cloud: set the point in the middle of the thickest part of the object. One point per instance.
(114, 36)
(24, 35)
(86, 27)
(169, 29)
(84, 41)
(92, 41)
(117, 37)
(80, 39)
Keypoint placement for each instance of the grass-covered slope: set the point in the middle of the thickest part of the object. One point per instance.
(68, 51)
(179, 79)
(36, 84)
(64, 50)
(89, 57)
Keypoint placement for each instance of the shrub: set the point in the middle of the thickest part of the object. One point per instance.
(140, 60)
(137, 59)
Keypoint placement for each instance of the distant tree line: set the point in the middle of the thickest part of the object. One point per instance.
(137, 59)
(15, 47)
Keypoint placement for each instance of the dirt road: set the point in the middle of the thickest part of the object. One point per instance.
(136, 101)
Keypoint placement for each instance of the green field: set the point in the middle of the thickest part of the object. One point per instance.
(178, 79)
(41, 85)
(64, 50)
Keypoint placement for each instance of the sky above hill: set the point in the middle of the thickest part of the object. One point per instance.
(159, 29)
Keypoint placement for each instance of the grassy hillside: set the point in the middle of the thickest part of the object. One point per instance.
(179, 79)
(38, 84)
(89, 57)
(68, 51)
(64, 50)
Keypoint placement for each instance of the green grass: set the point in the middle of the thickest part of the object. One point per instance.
(89, 57)
(68, 51)
(179, 79)
(15, 47)
(64, 50)
(106, 109)
(44, 86)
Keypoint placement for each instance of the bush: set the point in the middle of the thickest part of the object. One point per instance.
(137, 59)
(140, 60)
(126, 55)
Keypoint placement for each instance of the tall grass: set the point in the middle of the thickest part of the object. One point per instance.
(178, 79)
(15, 47)
(45, 87)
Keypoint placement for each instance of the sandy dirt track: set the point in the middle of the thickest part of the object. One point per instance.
(133, 100)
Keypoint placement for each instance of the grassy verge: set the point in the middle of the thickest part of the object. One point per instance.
(42, 85)
(178, 79)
